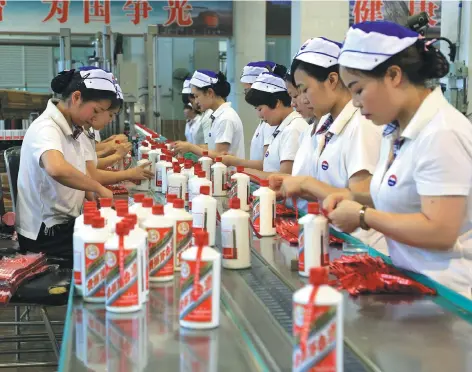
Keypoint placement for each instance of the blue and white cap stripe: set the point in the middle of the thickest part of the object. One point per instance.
(186, 88)
(96, 78)
(203, 78)
(319, 51)
(253, 69)
(368, 44)
(268, 82)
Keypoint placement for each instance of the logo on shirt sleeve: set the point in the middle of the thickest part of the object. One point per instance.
(257, 135)
(209, 134)
(392, 180)
(267, 154)
(324, 165)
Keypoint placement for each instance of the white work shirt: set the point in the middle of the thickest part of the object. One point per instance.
(262, 137)
(206, 124)
(435, 160)
(188, 131)
(198, 135)
(284, 144)
(41, 199)
(98, 138)
(88, 145)
(305, 157)
(227, 128)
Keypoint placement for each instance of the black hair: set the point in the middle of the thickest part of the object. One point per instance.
(67, 82)
(188, 107)
(316, 72)
(258, 98)
(222, 88)
(419, 62)
(185, 98)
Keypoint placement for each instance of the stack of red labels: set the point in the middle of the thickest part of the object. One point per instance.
(363, 274)
(14, 271)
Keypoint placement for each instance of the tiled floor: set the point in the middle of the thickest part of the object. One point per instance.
(8, 314)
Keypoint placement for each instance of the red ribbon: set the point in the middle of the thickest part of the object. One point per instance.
(197, 290)
(121, 254)
(307, 319)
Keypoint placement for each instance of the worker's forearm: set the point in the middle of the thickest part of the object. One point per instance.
(252, 164)
(108, 161)
(110, 178)
(69, 176)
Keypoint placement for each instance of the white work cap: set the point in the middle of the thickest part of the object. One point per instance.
(319, 51)
(268, 82)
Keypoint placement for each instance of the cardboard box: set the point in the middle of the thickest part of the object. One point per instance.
(17, 104)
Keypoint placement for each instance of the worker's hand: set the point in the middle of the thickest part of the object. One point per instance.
(103, 192)
(141, 172)
(275, 183)
(120, 137)
(346, 216)
(182, 147)
(122, 149)
(229, 160)
(331, 201)
(292, 186)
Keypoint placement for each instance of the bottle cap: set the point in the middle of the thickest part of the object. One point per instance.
(313, 208)
(202, 174)
(205, 190)
(239, 169)
(169, 158)
(201, 238)
(89, 216)
(117, 142)
(145, 156)
(98, 222)
(148, 202)
(318, 275)
(90, 205)
(179, 204)
(154, 135)
(235, 203)
(122, 229)
(105, 202)
(218, 159)
(197, 167)
(176, 168)
(132, 218)
(148, 138)
(188, 165)
(181, 160)
(138, 198)
(90, 208)
(163, 158)
(121, 210)
(171, 198)
(264, 183)
(121, 202)
(153, 147)
(144, 143)
(158, 210)
(205, 153)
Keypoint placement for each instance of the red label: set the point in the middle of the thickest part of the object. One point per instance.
(95, 271)
(116, 294)
(320, 353)
(196, 303)
(301, 249)
(183, 233)
(228, 244)
(161, 254)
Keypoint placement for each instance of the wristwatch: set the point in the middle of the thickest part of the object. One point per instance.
(362, 223)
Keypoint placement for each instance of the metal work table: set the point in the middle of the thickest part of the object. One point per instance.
(382, 333)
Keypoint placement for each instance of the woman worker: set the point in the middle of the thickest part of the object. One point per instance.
(420, 195)
(52, 178)
(345, 148)
(226, 135)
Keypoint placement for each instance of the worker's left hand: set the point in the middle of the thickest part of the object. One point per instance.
(141, 172)
(182, 147)
(292, 186)
(346, 216)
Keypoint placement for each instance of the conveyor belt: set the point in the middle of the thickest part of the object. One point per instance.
(277, 297)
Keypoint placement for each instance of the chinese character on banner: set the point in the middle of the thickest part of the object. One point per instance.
(180, 12)
(97, 11)
(137, 10)
(59, 8)
(368, 10)
(3, 4)
(427, 6)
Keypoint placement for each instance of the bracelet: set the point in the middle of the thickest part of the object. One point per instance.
(362, 223)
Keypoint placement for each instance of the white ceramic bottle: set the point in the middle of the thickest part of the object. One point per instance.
(219, 177)
(235, 245)
(143, 149)
(143, 185)
(177, 183)
(124, 268)
(161, 173)
(240, 188)
(318, 335)
(196, 184)
(165, 176)
(206, 163)
(204, 213)
(106, 211)
(138, 203)
(93, 261)
(160, 245)
(200, 283)
(313, 240)
(170, 199)
(153, 155)
(263, 210)
(182, 230)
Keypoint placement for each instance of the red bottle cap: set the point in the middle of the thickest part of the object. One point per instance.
(218, 159)
(138, 198)
(169, 158)
(132, 218)
(98, 222)
(264, 183)
(205, 190)
(148, 138)
(239, 169)
(145, 156)
(89, 216)
(202, 174)
(148, 202)
(201, 238)
(319, 276)
(154, 135)
(153, 147)
(235, 203)
(122, 229)
(158, 210)
(106, 202)
(176, 168)
(121, 210)
(179, 204)
(145, 144)
(313, 208)
(205, 153)
(163, 157)
(188, 165)
(181, 160)
(90, 204)
(197, 167)
(171, 198)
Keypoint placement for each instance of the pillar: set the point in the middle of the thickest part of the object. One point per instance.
(247, 44)
(326, 18)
